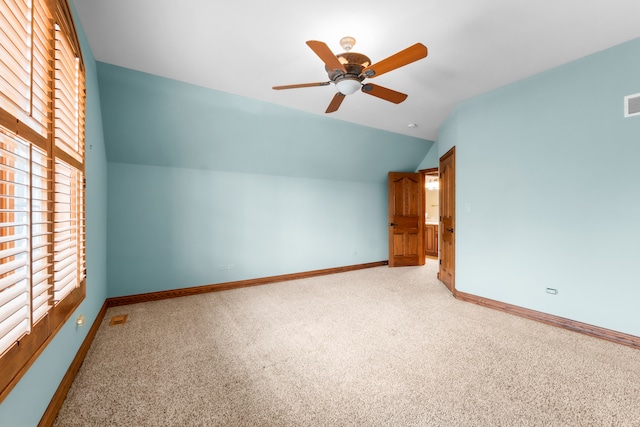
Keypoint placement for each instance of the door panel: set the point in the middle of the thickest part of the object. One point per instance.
(448, 219)
(431, 239)
(406, 214)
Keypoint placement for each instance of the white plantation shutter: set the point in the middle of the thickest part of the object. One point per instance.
(24, 246)
(68, 123)
(41, 64)
(14, 314)
(69, 268)
(42, 222)
(15, 82)
(14, 249)
(25, 61)
(69, 182)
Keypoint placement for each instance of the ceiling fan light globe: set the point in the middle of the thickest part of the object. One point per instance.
(348, 86)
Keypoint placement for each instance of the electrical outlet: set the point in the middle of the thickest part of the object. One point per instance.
(231, 266)
(222, 267)
(552, 291)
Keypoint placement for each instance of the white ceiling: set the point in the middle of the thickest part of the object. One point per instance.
(247, 46)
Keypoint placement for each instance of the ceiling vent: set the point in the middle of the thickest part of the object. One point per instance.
(632, 105)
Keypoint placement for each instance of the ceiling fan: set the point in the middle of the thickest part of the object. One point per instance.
(348, 70)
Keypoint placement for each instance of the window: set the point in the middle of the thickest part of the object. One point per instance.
(42, 224)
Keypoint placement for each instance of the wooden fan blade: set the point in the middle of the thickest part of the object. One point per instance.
(330, 60)
(400, 59)
(335, 102)
(301, 85)
(384, 93)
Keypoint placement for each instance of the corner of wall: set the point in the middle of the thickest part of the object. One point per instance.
(431, 159)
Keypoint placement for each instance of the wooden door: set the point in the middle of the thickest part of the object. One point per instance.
(448, 219)
(406, 218)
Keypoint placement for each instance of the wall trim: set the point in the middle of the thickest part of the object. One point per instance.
(50, 414)
(572, 325)
(196, 290)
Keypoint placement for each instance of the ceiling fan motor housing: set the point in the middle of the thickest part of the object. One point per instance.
(353, 62)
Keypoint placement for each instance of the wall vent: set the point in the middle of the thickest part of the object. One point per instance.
(118, 320)
(632, 105)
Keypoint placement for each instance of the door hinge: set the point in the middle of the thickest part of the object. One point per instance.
(440, 262)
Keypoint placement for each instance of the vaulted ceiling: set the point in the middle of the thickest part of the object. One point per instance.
(245, 47)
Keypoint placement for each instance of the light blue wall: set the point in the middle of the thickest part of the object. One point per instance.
(432, 159)
(27, 402)
(199, 178)
(172, 228)
(547, 191)
(151, 120)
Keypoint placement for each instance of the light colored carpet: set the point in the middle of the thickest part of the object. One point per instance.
(376, 347)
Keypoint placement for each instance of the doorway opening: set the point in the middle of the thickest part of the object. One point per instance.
(431, 221)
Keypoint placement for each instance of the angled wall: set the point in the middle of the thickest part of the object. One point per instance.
(547, 184)
(152, 120)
